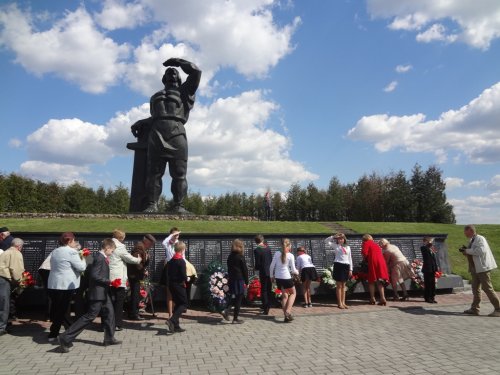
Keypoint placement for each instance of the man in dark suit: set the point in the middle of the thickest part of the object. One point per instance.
(99, 301)
(263, 259)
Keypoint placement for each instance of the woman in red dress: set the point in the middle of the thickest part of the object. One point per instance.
(377, 269)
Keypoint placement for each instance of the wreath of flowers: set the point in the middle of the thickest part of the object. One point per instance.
(254, 289)
(214, 287)
(418, 279)
(327, 278)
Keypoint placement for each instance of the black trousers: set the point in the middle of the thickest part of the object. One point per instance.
(95, 307)
(429, 286)
(266, 291)
(236, 302)
(135, 288)
(179, 296)
(118, 298)
(44, 275)
(59, 311)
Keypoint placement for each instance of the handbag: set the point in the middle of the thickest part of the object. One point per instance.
(296, 278)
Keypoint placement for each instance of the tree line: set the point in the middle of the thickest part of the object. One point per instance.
(393, 197)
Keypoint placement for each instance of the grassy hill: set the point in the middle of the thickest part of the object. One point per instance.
(456, 237)
(160, 226)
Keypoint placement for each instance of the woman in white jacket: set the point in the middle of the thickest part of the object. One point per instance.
(283, 263)
(66, 266)
(118, 270)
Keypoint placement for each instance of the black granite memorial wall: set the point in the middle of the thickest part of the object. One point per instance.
(203, 249)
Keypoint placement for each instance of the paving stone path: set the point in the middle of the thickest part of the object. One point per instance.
(402, 338)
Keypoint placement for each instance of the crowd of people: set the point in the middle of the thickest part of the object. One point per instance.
(69, 274)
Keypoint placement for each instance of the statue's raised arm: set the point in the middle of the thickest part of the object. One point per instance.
(193, 72)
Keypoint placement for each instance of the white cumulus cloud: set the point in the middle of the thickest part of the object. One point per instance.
(477, 23)
(118, 14)
(435, 32)
(471, 130)
(69, 141)
(247, 36)
(77, 47)
(65, 174)
(233, 148)
(72, 48)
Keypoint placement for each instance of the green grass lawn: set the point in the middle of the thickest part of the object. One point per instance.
(455, 239)
(161, 226)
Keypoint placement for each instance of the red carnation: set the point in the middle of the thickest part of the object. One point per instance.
(143, 293)
(116, 283)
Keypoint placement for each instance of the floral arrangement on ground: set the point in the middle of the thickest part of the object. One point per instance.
(254, 290)
(327, 278)
(418, 279)
(214, 286)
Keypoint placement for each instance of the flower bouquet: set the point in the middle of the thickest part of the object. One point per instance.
(214, 287)
(116, 283)
(146, 288)
(26, 281)
(84, 253)
(352, 282)
(254, 290)
(418, 279)
(278, 293)
(327, 278)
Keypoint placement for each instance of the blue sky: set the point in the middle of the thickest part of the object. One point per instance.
(292, 91)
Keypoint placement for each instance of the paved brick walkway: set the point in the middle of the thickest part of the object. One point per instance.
(402, 338)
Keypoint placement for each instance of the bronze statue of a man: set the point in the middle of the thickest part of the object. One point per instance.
(166, 141)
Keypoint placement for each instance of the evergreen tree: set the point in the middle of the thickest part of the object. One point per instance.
(335, 206)
(79, 199)
(398, 202)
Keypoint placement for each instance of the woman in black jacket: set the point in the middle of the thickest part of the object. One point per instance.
(238, 279)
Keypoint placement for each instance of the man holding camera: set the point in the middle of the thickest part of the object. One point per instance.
(481, 262)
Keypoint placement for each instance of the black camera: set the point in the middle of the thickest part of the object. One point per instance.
(462, 248)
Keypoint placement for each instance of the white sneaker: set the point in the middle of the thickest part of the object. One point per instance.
(495, 313)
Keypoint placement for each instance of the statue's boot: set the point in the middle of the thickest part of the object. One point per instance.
(151, 208)
(179, 210)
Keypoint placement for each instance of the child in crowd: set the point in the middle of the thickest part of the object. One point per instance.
(169, 246)
(177, 278)
(307, 273)
(238, 279)
(282, 268)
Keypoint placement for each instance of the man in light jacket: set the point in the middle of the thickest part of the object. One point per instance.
(11, 272)
(481, 262)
